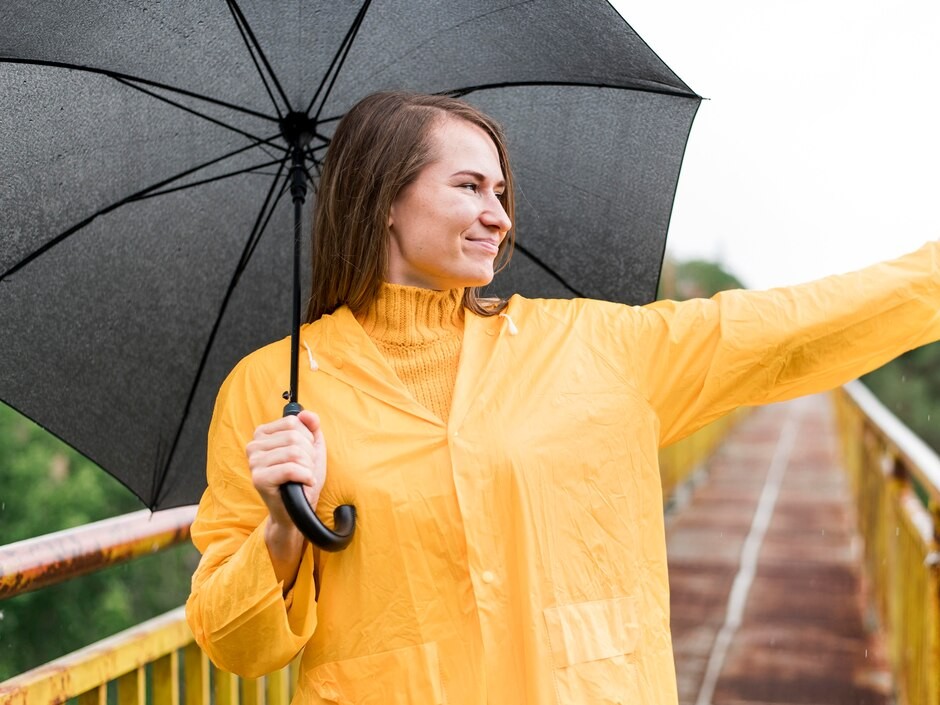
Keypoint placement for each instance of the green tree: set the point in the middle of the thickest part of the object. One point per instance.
(910, 387)
(46, 486)
(694, 279)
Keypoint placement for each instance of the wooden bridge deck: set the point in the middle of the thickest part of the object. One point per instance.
(767, 590)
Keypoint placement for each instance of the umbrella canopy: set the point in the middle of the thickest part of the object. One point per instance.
(144, 195)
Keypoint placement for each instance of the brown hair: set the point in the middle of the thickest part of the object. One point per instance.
(379, 147)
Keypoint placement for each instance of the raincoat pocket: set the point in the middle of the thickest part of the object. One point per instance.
(399, 677)
(592, 645)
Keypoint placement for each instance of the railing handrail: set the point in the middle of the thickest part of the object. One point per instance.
(46, 560)
(895, 479)
(919, 459)
(115, 655)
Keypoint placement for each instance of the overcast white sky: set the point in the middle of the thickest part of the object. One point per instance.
(819, 149)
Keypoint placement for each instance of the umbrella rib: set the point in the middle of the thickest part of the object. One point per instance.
(640, 87)
(258, 140)
(332, 118)
(203, 182)
(311, 154)
(254, 50)
(114, 206)
(342, 51)
(264, 79)
(555, 275)
(257, 230)
(143, 81)
(251, 41)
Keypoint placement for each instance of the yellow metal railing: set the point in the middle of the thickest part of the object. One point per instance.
(678, 462)
(895, 479)
(157, 662)
(160, 652)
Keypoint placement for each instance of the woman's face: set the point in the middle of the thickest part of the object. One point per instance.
(447, 224)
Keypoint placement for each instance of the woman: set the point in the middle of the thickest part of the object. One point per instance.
(502, 456)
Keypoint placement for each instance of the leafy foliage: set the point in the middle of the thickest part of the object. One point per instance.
(694, 279)
(910, 387)
(46, 486)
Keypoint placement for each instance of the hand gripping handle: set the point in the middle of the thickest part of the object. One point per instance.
(302, 514)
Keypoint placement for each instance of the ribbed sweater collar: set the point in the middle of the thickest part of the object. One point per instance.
(409, 315)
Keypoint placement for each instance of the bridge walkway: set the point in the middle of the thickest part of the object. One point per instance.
(767, 590)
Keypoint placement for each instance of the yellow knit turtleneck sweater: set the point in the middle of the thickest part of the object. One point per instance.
(419, 332)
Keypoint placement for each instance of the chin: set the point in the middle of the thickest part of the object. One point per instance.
(478, 281)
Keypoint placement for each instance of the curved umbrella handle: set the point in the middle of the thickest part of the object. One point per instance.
(344, 519)
(302, 514)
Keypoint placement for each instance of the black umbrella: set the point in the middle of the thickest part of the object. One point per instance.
(148, 151)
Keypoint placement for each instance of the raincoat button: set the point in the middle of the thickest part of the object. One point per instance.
(487, 577)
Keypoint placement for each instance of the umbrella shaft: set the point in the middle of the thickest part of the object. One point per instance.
(299, 193)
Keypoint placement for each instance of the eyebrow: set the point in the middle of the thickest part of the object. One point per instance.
(477, 175)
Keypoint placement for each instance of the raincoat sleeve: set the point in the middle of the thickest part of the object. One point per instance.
(237, 610)
(699, 359)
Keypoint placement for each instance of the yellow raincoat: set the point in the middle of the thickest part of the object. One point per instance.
(515, 554)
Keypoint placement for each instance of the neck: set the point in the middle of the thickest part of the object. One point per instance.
(419, 333)
(410, 314)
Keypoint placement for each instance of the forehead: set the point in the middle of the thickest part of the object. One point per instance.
(463, 145)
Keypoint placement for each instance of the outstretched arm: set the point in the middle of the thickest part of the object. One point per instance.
(697, 360)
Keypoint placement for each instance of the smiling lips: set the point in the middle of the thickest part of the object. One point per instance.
(491, 246)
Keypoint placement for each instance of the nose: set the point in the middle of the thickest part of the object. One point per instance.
(494, 215)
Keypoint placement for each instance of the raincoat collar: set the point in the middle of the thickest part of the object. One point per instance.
(343, 350)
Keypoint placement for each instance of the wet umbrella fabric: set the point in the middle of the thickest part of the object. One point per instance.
(146, 210)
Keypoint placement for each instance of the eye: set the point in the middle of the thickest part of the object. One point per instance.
(470, 187)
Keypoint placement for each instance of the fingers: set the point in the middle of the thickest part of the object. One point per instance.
(305, 425)
(310, 420)
(299, 443)
(289, 449)
(280, 466)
